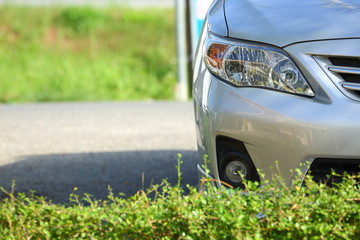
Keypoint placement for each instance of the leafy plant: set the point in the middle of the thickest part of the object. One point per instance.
(165, 212)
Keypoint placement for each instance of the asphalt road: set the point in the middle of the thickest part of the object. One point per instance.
(53, 148)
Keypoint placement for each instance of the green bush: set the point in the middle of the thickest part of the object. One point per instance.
(81, 19)
(165, 212)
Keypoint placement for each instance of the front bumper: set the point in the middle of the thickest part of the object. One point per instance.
(281, 131)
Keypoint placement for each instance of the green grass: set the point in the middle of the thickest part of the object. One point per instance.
(86, 54)
(164, 212)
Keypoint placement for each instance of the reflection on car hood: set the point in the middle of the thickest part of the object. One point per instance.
(283, 22)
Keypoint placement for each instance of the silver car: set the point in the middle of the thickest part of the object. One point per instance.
(277, 88)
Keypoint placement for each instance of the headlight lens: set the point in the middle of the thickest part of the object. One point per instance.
(242, 64)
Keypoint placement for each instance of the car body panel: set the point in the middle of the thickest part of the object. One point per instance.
(282, 131)
(278, 129)
(282, 23)
(216, 18)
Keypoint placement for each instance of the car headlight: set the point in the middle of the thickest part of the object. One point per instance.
(253, 65)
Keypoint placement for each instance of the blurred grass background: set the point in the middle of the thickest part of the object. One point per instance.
(86, 54)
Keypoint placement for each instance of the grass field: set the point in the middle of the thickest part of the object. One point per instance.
(86, 54)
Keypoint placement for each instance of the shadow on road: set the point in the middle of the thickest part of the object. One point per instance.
(55, 176)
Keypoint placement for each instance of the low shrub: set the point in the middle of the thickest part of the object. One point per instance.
(165, 212)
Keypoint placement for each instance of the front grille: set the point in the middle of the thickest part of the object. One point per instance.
(344, 72)
(345, 61)
(349, 70)
(321, 169)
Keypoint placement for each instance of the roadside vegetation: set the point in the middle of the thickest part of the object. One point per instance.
(86, 54)
(165, 212)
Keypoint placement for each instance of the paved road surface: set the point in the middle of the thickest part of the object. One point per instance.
(52, 148)
(135, 3)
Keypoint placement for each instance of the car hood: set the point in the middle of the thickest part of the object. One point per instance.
(283, 22)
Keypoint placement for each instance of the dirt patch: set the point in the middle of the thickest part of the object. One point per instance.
(57, 38)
